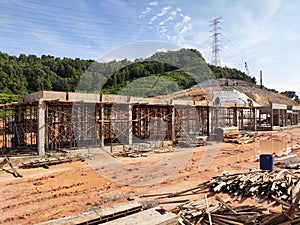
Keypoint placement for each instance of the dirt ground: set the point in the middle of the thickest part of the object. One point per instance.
(72, 188)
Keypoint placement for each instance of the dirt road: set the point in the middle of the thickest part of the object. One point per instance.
(71, 188)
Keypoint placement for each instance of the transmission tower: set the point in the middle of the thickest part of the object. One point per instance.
(247, 69)
(216, 46)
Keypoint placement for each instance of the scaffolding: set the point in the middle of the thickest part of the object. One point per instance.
(18, 128)
(51, 121)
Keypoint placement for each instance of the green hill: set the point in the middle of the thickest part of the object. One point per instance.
(172, 70)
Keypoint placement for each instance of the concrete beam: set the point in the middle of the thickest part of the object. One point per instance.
(201, 103)
(134, 100)
(279, 106)
(46, 95)
(182, 102)
(83, 97)
(114, 98)
(296, 107)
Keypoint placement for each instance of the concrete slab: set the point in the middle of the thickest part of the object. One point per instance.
(97, 216)
(148, 217)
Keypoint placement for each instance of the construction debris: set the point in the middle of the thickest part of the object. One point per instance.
(239, 137)
(46, 162)
(278, 185)
(201, 212)
(281, 184)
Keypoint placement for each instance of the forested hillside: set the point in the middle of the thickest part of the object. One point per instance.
(173, 70)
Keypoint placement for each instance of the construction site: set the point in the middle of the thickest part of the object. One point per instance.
(50, 141)
(48, 121)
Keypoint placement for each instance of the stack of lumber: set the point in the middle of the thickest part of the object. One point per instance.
(281, 188)
(132, 153)
(239, 137)
(46, 162)
(201, 212)
(282, 185)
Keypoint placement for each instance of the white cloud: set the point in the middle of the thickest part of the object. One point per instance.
(171, 24)
(164, 11)
(147, 10)
(186, 19)
(155, 3)
(153, 18)
(173, 13)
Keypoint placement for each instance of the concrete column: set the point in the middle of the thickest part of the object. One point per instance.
(259, 118)
(279, 117)
(272, 118)
(102, 126)
(254, 118)
(41, 127)
(241, 112)
(130, 124)
(173, 125)
(210, 123)
(236, 117)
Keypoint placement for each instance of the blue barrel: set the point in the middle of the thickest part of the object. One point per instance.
(266, 162)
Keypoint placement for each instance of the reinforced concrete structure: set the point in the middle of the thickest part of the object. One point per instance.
(48, 121)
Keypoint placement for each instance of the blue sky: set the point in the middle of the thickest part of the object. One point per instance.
(263, 33)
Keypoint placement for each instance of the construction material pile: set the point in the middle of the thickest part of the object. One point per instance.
(239, 137)
(202, 212)
(278, 188)
(282, 185)
(46, 162)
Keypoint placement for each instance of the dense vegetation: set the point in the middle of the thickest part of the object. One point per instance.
(162, 73)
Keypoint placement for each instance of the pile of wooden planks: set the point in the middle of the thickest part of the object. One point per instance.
(239, 137)
(131, 153)
(278, 185)
(281, 184)
(46, 162)
(202, 212)
(281, 188)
